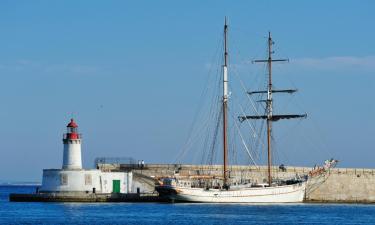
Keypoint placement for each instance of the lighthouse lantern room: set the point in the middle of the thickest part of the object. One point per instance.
(72, 147)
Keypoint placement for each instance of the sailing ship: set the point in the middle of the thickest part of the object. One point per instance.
(212, 189)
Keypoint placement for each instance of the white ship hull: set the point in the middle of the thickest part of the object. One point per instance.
(279, 194)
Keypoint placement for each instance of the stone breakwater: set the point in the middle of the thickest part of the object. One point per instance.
(346, 185)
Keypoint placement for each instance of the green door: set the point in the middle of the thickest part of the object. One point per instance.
(116, 186)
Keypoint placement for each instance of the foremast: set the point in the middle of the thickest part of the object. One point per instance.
(225, 108)
(269, 117)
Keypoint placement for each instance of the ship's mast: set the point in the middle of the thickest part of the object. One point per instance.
(269, 108)
(269, 113)
(225, 107)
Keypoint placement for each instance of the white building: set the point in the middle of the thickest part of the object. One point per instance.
(72, 178)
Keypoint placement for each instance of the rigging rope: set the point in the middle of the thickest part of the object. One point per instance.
(244, 144)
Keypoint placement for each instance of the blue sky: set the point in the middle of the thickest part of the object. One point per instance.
(132, 73)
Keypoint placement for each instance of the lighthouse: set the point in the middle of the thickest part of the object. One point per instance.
(73, 180)
(72, 147)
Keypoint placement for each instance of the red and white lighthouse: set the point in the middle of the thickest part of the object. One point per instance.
(72, 147)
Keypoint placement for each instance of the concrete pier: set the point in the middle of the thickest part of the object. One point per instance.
(91, 197)
(338, 185)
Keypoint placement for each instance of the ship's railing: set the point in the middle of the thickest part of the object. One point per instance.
(77, 136)
(114, 161)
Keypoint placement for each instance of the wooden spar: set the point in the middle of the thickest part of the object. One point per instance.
(269, 109)
(269, 116)
(225, 106)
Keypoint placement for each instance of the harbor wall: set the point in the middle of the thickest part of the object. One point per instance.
(337, 185)
(344, 185)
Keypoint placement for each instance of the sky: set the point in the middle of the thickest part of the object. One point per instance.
(131, 73)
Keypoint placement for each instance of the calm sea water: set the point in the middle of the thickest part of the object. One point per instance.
(163, 213)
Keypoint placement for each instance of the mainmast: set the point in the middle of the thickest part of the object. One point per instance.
(269, 117)
(269, 108)
(225, 107)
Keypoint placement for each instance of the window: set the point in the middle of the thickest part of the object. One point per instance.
(88, 179)
(64, 179)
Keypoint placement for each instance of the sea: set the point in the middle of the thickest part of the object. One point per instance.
(177, 213)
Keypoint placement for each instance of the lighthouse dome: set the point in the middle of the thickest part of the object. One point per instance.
(72, 124)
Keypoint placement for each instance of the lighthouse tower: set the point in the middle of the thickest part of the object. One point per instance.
(72, 147)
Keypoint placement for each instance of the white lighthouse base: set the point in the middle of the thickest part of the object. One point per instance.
(88, 181)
